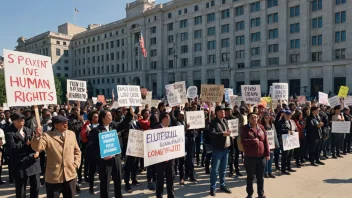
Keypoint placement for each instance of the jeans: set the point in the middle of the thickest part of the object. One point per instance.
(269, 164)
(347, 143)
(286, 160)
(255, 167)
(218, 164)
(234, 160)
(336, 143)
(314, 150)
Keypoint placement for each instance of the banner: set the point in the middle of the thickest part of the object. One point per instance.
(301, 100)
(172, 95)
(29, 79)
(233, 126)
(135, 145)
(129, 95)
(280, 91)
(290, 142)
(181, 87)
(192, 92)
(271, 139)
(340, 127)
(195, 119)
(109, 144)
(228, 92)
(163, 144)
(251, 94)
(334, 101)
(323, 99)
(212, 93)
(77, 90)
(343, 92)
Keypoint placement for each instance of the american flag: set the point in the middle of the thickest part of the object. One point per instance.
(141, 45)
(76, 11)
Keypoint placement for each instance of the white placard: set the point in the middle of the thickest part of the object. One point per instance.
(173, 96)
(233, 126)
(192, 92)
(163, 144)
(155, 103)
(233, 100)
(323, 98)
(181, 87)
(148, 99)
(280, 91)
(129, 95)
(271, 91)
(334, 101)
(340, 127)
(95, 100)
(228, 92)
(29, 79)
(77, 90)
(271, 138)
(135, 145)
(348, 101)
(5, 107)
(290, 141)
(195, 119)
(251, 94)
(114, 105)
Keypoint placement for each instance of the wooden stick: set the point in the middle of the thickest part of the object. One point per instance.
(36, 110)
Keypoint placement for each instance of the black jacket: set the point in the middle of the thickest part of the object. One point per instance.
(23, 162)
(325, 119)
(348, 118)
(313, 132)
(30, 123)
(216, 131)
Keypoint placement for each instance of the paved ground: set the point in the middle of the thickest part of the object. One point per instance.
(329, 181)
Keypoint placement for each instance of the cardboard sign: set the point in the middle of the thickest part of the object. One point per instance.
(348, 101)
(251, 94)
(233, 126)
(135, 145)
(195, 119)
(173, 95)
(343, 92)
(340, 127)
(109, 144)
(271, 139)
(334, 101)
(290, 142)
(280, 91)
(77, 90)
(163, 144)
(212, 93)
(233, 100)
(301, 100)
(129, 95)
(228, 92)
(192, 92)
(323, 98)
(29, 79)
(154, 103)
(181, 87)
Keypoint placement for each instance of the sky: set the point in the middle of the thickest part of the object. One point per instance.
(30, 18)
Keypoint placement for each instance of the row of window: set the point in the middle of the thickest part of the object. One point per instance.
(100, 70)
(93, 39)
(108, 57)
(102, 46)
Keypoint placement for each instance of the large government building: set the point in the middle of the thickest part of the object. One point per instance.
(307, 43)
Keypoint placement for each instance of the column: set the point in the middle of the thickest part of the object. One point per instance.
(328, 81)
(328, 25)
(283, 33)
(264, 81)
(204, 76)
(349, 75)
(246, 77)
(264, 35)
(217, 76)
(304, 31)
(247, 38)
(305, 81)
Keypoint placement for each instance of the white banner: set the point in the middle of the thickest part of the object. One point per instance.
(228, 92)
(129, 95)
(195, 119)
(323, 98)
(163, 144)
(334, 101)
(181, 87)
(77, 90)
(192, 92)
(135, 145)
(340, 127)
(271, 138)
(173, 96)
(280, 91)
(29, 79)
(251, 94)
(290, 141)
(233, 126)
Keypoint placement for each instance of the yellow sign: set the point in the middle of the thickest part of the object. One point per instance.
(343, 91)
(267, 99)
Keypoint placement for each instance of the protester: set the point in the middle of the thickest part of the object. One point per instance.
(325, 132)
(348, 138)
(314, 136)
(336, 138)
(301, 125)
(2, 145)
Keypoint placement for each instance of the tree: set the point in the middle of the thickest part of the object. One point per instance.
(59, 91)
(2, 88)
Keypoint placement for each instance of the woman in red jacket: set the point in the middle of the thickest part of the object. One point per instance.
(301, 124)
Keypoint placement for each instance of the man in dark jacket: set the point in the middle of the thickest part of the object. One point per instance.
(30, 121)
(24, 161)
(325, 129)
(314, 136)
(347, 142)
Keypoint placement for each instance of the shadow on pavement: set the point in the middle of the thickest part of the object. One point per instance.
(338, 181)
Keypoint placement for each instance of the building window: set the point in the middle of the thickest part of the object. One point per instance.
(340, 54)
(255, 37)
(239, 25)
(240, 40)
(317, 40)
(340, 17)
(169, 15)
(64, 43)
(153, 41)
(196, 8)
(211, 17)
(170, 38)
(225, 43)
(184, 36)
(317, 5)
(274, 33)
(58, 52)
(170, 26)
(198, 34)
(255, 22)
(171, 51)
(294, 11)
(273, 18)
(255, 7)
(225, 14)
(171, 64)
(295, 87)
(316, 85)
(240, 65)
(152, 65)
(211, 45)
(295, 58)
(211, 31)
(225, 28)
(184, 62)
(57, 42)
(338, 2)
(316, 56)
(255, 51)
(183, 23)
(295, 28)
(274, 61)
(198, 20)
(198, 47)
(239, 54)
(340, 36)
(185, 11)
(272, 3)
(198, 61)
(184, 49)
(295, 44)
(317, 22)
(153, 53)
(338, 82)
(225, 57)
(179, 12)
(153, 30)
(239, 10)
(273, 48)
(212, 3)
(107, 45)
(212, 58)
(255, 63)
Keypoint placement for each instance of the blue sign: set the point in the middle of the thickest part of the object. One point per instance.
(109, 144)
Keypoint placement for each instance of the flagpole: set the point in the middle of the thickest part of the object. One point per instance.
(74, 15)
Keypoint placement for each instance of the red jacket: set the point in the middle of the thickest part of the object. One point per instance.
(83, 133)
(253, 148)
(300, 127)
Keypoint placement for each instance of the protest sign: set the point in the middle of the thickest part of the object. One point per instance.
(323, 98)
(271, 138)
(212, 93)
(163, 144)
(95, 100)
(301, 100)
(154, 103)
(101, 98)
(334, 101)
(228, 92)
(263, 102)
(195, 119)
(233, 126)
(129, 95)
(343, 91)
(340, 127)
(114, 105)
(173, 96)
(271, 91)
(135, 145)
(280, 91)
(233, 100)
(147, 99)
(348, 101)
(251, 94)
(29, 79)
(109, 144)
(181, 87)
(192, 92)
(77, 90)
(5, 107)
(290, 141)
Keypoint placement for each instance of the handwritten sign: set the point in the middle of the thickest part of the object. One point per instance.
(129, 95)
(301, 100)
(192, 92)
(77, 90)
(115, 105)
(271, 138)
(29, 79)
(135, 145)
(290, 142)
(163, 144)
(323, 98)
(343, 91)
(348, 101)
(280, 91)
(94, 100)
(109, 144)
(147, 99)
(228, 93)
(233, 100)
(233, 126)
(212, 93)
(173, 96)
(340, 127)
(101, 98)
(181, 87)
(195, 119)
(334, 101)
(155, 103)
(251, 94)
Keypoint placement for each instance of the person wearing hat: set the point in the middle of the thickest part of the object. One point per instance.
(314, 136)
(336, 138)
(30, 121)
(348, 138)
(221, 141)
(25, 161)
(63, 157)
(325, 132)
